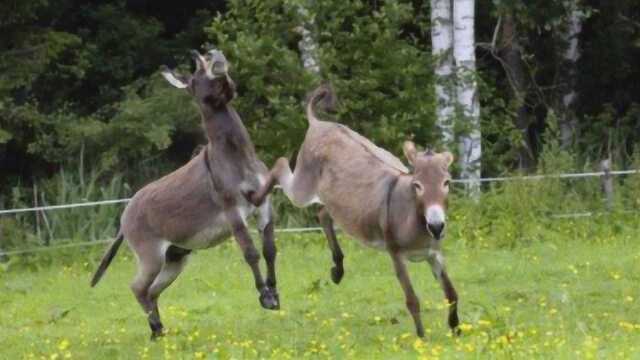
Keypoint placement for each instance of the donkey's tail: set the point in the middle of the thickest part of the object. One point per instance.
(106, 259)
(323, 95)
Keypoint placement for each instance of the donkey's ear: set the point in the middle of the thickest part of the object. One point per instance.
(409, 149)
(448, 158)
(179, 81)
(201, 62)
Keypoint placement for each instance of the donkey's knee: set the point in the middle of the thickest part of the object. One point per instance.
(251, 255)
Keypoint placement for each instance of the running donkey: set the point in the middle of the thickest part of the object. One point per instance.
(373, 197)
(200, 204)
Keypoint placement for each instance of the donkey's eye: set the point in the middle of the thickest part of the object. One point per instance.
(446, 183)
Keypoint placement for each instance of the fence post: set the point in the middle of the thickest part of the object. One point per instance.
(3, 257)
(607, 182)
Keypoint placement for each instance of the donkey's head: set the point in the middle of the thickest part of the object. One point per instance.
(431, 185)
(210, 83)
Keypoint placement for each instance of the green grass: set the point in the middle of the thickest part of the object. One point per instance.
(570, 299)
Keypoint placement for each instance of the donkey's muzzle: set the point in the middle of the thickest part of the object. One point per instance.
(218, 62)
(436, 229)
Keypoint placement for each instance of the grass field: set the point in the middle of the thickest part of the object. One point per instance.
(571, 300)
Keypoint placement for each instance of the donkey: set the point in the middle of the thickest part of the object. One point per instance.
(200, 204)
(373, 197)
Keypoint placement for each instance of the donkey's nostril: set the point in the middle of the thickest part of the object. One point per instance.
(436, 229)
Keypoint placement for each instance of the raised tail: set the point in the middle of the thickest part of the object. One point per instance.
(106, 259)
(323, 95)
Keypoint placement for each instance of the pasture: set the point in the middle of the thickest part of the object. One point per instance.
(567, 298)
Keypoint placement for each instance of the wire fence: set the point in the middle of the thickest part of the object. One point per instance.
(456, 181)
(98, 242)
(311, 229)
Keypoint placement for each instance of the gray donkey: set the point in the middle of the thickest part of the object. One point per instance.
(201, 204)
(373, 197)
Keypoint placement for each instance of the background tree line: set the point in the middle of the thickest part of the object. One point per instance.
(79, 80)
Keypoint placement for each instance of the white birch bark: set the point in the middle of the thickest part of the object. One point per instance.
(442, 50)
(470, 146)
(570, 57)
(307, 45)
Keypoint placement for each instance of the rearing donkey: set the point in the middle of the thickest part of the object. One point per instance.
(200, 204)
(373, 197)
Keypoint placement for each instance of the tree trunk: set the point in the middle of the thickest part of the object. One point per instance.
(568, 120)
(307, 45)
(511, 53)
(467, 92)
(442, 50)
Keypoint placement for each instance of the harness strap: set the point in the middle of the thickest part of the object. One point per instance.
(388, 234)
(214, 188)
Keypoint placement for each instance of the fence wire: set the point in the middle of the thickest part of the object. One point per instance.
(307, 229)
(98, 242)
(457, 181)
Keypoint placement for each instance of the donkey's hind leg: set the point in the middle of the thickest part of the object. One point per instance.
(150, 256)
(175, 259)
(337, 271)
(299, 187)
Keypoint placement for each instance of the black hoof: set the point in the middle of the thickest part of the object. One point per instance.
(454, 322)
(420, 332)
(336, 274)
(249, 196)
(269, 299)
(157, 331)
(456, 331)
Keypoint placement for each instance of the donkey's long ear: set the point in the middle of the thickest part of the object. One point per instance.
(179, 81)
(409, 149)
(448, 158)
(201, 62)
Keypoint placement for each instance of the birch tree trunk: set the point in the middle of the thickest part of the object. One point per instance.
(568, 120)
(307, 45)
(470, 146)
(442, 50)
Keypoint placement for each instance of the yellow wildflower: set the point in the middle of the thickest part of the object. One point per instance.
(63, 345)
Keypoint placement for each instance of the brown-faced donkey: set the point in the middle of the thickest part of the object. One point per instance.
(202, 203)
(373, 197)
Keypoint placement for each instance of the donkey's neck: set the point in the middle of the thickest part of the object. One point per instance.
(225, 130)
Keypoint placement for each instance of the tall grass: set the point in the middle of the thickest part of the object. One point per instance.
(29, 229)
(507, 214)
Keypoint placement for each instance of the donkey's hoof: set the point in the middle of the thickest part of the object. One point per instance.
(157, 331)
(336, 275)
(454, 322)
(456, 331)
(269, 299)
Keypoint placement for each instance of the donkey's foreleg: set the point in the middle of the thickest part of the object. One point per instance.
(337, 271)
(412, 301)
(436, 260)
(268, 298)
(266, 229)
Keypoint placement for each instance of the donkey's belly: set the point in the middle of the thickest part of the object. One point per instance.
(212, 235)
(216, 232)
